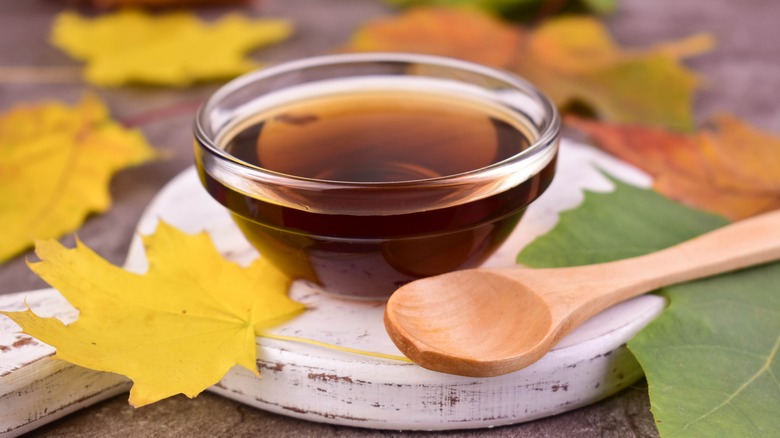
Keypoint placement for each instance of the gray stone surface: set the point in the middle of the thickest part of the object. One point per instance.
(742, 77)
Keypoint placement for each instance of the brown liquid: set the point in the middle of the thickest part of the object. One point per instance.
(377, 137)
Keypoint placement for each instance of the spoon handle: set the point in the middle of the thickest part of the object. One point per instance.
(739, 245)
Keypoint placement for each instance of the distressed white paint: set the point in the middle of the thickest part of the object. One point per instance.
(320, 384)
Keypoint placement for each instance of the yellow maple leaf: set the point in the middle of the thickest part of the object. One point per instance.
(178, 328)
(178, 49)
(55, 165)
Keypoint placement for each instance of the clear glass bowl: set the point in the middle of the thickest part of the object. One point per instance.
(364, 239)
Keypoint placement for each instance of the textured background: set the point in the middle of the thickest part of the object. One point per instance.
(742, 77)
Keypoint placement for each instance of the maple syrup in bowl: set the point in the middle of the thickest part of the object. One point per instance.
(363, 172)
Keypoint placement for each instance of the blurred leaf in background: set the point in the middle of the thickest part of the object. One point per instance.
(56, 162)
(173, 49)
(455, 33)
(111, 4)
(521, 10)
(729, 168)
(573, 59)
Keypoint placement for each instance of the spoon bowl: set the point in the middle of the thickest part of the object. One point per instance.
(490, 322)
(445, 336)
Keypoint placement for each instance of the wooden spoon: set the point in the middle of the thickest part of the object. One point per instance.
(489, 322)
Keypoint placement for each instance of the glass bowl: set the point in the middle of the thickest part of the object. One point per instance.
(361, 227)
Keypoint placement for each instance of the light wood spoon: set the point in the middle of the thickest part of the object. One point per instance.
(489, 322)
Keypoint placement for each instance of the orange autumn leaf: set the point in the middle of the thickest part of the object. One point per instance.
(56, 162)
(572, 59)
(455, 33)
(731, 168)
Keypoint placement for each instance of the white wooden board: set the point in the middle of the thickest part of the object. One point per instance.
(324, 385)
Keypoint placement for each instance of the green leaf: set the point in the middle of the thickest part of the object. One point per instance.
(627, 222)
(711, 359)
(601, 6)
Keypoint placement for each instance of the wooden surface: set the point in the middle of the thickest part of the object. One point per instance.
(743, 77)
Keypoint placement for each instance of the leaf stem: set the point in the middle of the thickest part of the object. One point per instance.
(334, 347)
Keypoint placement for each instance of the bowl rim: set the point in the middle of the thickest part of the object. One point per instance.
(546, 136)
(262, 183)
